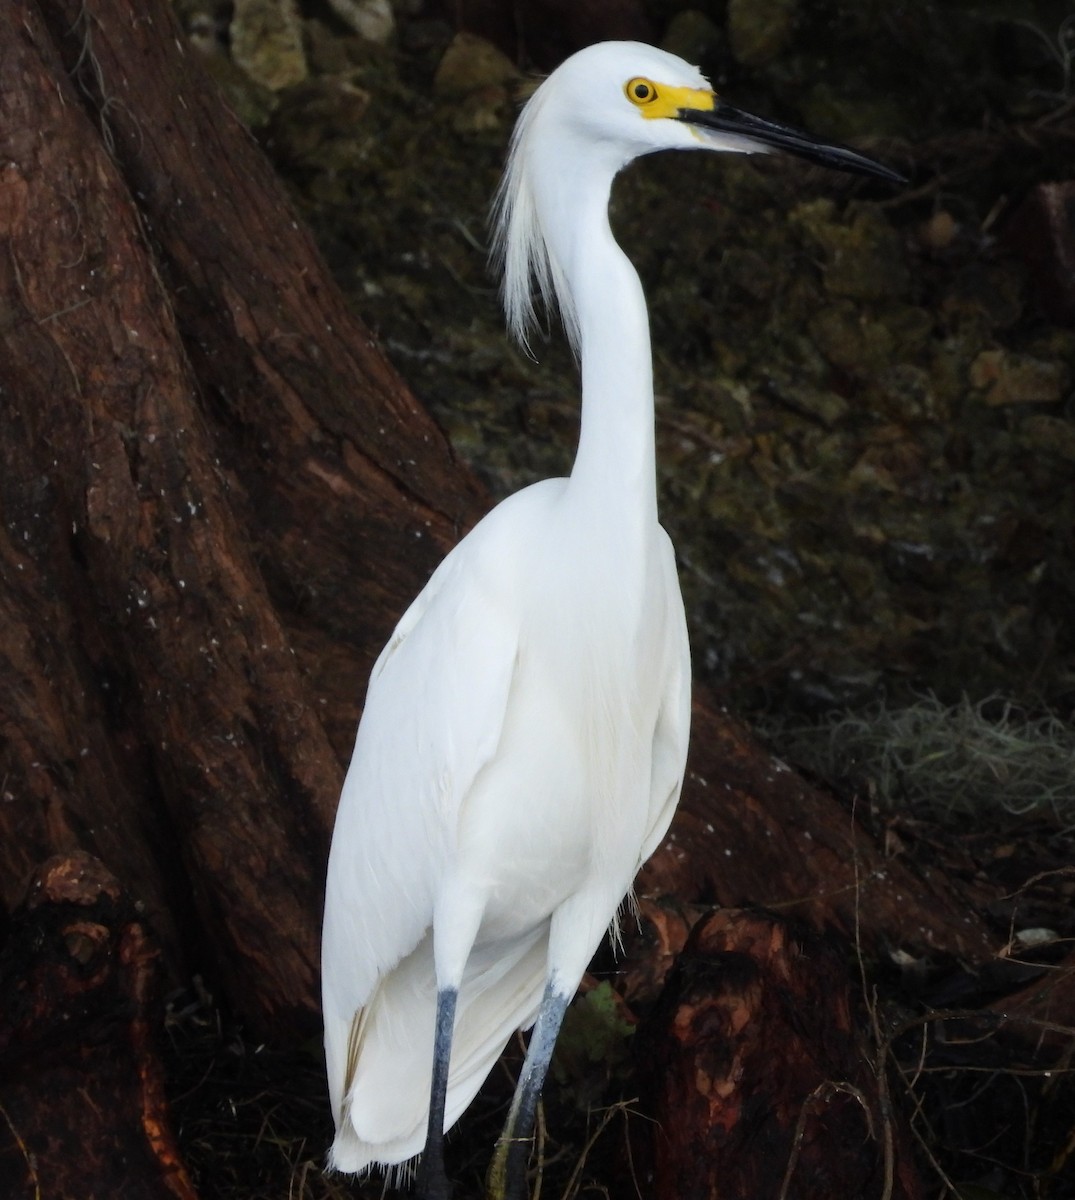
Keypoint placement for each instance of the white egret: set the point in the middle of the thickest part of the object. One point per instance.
(523, 742)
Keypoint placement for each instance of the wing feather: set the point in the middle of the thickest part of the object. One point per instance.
(433, 718)
(672, 730)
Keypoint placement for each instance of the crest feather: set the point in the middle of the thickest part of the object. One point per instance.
(520, 252)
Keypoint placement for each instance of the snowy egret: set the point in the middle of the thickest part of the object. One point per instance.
(523, 742)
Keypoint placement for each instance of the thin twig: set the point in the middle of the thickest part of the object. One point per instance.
(823, 1091)
(27, 1156)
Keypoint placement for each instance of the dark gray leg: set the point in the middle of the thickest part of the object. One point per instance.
(507, 1174)
(432, 1181)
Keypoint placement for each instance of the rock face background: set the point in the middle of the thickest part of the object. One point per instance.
(867, 423)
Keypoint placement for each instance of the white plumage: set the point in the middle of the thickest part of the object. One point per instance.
(499, 774)
(523, 742)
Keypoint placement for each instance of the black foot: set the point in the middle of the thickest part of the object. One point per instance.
(432, 1183)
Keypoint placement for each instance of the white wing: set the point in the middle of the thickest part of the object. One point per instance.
(434, 714)
(673, 718)
(434, 711)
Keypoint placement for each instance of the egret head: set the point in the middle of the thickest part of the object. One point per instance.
(620, 99)
(601, 108)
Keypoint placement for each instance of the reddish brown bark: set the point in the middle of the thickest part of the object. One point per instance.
(752, 831)
(759, 1078)
(84, 1109)
(205, 464)
(1042, 232)
(1042, 1015)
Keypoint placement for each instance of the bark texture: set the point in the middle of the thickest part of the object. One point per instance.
(760, 1080)
(752, 831)
(78, 1043)
(214, 493)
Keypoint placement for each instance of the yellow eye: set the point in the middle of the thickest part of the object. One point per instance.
(641, 91)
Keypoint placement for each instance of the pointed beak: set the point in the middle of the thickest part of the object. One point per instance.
(769, 135)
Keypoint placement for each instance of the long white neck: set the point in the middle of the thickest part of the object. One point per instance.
(616, 447)
(615, 468)
(552, 226)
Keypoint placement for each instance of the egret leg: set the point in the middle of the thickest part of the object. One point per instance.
(507, 1174)
(432, 1179)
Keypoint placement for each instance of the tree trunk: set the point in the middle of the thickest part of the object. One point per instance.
(214, 492)
(759, 1079)
(84, 1101)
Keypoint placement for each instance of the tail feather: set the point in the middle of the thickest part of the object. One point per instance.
(385, 1106)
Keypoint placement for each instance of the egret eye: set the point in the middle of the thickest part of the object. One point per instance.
(641, 91)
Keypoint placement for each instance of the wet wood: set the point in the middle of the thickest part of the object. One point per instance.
(752, 831)
(206, 464)
(1042, 232)
(759, 1077)
(84, 1110)
(1042, 1014)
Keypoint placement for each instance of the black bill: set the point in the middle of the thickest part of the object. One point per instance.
(723, 118)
